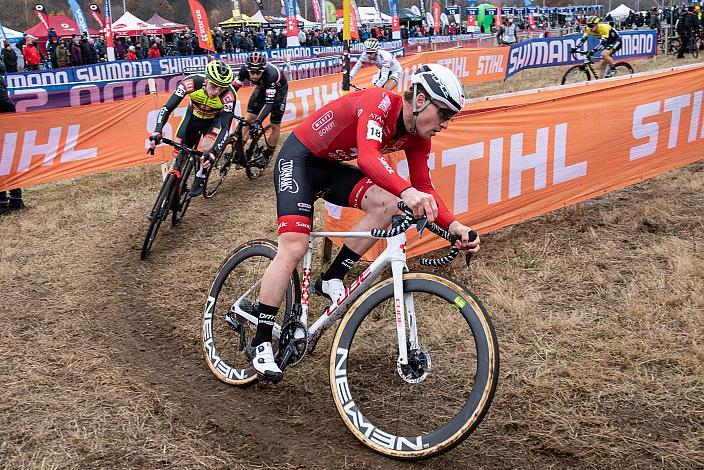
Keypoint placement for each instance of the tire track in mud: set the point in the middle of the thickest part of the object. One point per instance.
(155, 309)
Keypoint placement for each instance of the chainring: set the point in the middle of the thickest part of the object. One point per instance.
(299, 345)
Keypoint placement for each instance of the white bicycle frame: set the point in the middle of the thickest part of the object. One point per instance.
(394, 254)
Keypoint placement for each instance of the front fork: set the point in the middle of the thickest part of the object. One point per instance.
(403, 302)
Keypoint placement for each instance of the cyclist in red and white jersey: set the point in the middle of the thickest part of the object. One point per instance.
(363, 125)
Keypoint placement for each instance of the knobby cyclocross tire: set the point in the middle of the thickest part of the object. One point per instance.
(620, 69)
(218, 339)
(183, 200)
(159, 212)
(254, 152)
(576, 74)
(371, 419)
(218, 169)
(673, 45)
(694, 47)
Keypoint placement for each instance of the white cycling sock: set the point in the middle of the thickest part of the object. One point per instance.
(200, 173)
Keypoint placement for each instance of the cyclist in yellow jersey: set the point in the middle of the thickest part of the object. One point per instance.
(210, 114)
(610, 41)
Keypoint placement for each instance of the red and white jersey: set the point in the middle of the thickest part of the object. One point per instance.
(366, 125)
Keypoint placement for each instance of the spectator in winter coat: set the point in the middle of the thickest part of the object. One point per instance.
(131, 54)
(654, 20)
(51, 50)
(160, 46)
(154, 52)
(274, 39)
(86, 51)
(93, 51)
(141, 52)
(62, 57)
(32, 56)
(144, 41)
(184, 45)
(74, 52)
(119, 50)
(22, 42)
(9, 57)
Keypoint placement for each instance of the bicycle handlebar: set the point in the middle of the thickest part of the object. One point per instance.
(421, 224)
(177, 145)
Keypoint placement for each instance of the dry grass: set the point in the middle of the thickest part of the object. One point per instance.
(599, 308)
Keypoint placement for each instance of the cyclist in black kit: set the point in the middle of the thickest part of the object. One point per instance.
(269, 97)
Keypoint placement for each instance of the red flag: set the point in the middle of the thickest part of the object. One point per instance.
(497, 18)
(41, 14)
(436, 17)
(354, 32)
(95, 11)
(200, 19)
(354, 25)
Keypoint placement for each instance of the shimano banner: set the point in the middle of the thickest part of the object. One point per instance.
(137, 69)
(549, 52)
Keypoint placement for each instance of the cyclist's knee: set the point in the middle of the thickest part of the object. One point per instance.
(379, 202)
(292, 246)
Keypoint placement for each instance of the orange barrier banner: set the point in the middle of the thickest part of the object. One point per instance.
(47, 145)
(504, 160)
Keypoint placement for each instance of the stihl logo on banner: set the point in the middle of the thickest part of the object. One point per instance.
(200, 19)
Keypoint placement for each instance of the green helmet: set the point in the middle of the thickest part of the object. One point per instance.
(219, 73)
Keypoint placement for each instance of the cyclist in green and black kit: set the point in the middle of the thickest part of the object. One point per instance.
(210, 114)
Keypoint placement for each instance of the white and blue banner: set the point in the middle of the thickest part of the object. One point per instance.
(472, 11)
(79, 17)
(549, 52)
(447, 38)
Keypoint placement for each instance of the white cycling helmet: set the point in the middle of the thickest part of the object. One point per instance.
(440, 84)
(371, 45)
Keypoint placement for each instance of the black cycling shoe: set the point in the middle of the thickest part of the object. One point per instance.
(264, 159)
(198, 186)
(16, 204)
(4, 208)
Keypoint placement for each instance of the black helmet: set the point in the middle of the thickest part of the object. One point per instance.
(256, 62)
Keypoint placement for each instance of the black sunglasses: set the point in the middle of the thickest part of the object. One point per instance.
(444, 113)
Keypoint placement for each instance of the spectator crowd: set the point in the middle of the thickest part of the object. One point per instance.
(82, 50)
